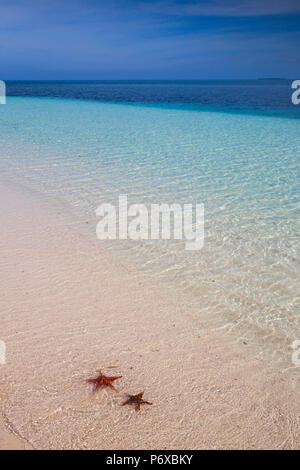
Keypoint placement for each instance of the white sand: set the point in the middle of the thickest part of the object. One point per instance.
(68, 308)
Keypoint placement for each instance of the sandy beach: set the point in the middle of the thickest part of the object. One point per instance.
(69, 308)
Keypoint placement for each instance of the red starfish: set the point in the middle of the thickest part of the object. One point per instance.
(103, 381)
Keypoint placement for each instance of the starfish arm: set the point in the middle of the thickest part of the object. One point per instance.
(111, 386)
(92, 381)
(100, 383)
(127, 402)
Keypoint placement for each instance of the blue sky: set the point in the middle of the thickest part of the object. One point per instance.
(145, 39)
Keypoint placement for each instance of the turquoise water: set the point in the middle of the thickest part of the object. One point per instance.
(243, 167)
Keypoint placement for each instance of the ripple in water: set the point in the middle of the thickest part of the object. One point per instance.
(243, 167)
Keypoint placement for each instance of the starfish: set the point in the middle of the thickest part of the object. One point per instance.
(102, 381)
(137, 399)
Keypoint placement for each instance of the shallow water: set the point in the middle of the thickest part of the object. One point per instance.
(244, 167)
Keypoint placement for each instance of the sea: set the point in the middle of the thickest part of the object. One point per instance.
(233, 146)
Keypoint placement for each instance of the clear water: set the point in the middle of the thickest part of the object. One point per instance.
(243, 166)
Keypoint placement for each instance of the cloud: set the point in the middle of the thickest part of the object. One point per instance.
(136, 39)
(229, 8)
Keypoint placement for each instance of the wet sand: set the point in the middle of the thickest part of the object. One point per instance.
(69, 307)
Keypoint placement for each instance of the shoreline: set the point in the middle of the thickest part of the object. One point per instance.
(70, 308)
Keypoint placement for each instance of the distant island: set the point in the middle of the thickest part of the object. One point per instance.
(274, 79)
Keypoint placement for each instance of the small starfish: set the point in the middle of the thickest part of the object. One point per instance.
(137, 399)
(103, 381)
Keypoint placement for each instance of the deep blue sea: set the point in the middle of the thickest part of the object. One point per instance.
(245, 95)
(232, 145)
